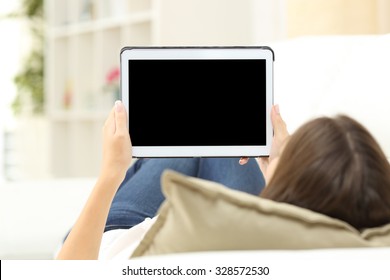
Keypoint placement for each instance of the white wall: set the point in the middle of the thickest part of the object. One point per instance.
(32, 142)
(12, 48)
(221, 22)
(269, 20)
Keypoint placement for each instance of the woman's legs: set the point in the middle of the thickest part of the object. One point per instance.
(227, 171)
(140, 196)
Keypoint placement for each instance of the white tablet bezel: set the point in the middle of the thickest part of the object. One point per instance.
(254, 52)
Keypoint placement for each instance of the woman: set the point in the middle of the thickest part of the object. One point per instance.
(329, 165)
(335, 167)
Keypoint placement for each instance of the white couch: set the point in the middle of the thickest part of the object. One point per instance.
(35, 215)
(335, 74)
(313, 76)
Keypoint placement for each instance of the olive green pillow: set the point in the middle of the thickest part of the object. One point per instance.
(200, 215)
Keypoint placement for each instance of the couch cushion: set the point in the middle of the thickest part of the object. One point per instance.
(200, 215)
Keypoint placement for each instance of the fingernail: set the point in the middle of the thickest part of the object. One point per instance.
(277, 109)
(118, 105)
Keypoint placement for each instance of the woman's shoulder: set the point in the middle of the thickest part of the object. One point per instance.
(120, 243)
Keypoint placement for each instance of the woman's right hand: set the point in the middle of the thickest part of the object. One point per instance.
(281, 135)
(268, 164)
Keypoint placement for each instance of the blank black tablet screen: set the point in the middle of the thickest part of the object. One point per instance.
(195, 102)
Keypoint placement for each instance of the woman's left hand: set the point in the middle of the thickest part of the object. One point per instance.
(83, 241)
(117, 153)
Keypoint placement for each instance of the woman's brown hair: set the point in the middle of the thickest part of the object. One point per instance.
(334, 166)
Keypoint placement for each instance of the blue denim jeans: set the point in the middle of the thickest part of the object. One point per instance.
(140, 196)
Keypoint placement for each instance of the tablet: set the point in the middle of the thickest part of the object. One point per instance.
(198, 101)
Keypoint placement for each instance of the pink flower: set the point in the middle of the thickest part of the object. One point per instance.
(112, 82)
(113, 75)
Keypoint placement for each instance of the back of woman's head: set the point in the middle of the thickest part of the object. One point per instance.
(334, 166)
